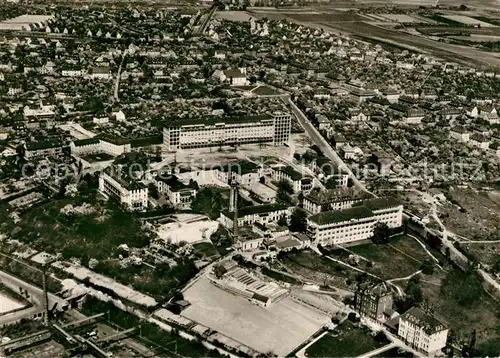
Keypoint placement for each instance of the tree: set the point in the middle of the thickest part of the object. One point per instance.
(153, 191)
(427, 267)
(209, 202)
(298, 222)
(284, 189)
(380, 233)
(413, 291)
(331, 183)
(282, 221)
(219, 271)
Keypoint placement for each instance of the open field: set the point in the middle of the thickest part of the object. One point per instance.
(347, 340)
(468, 20)
(278, 328)
(401, 257)
(8, 304)
(318, 269)
(190, 232)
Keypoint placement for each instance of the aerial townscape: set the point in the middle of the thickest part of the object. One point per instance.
(249, 178)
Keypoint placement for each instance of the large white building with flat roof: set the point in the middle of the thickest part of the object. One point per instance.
(217, 132)
(355, 223)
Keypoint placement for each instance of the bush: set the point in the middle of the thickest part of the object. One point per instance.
(353, 317)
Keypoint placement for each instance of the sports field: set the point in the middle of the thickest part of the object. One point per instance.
(279, 328)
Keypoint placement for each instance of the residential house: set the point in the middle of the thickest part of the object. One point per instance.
(480, 141)
(242, 172)
(373, 300)
(460, 133)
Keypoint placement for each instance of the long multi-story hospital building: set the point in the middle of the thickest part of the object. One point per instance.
(217, 132)
(355, 223)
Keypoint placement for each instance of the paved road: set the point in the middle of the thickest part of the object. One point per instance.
(211, 13)
(325, 147)
(36, 297)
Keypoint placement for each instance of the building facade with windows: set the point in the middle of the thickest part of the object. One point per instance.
(422, 331)
(334, 199)
(355, 223)
(178, 193)
(218, 132)
(373, 301)
(263, 214)
(132, 194)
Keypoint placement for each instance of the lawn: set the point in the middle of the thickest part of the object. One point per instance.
(280, 277)
(347, 340)
(318, 269)
(401, 257)
(206, 250)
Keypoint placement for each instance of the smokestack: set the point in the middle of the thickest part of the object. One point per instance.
(233, 204)
(45, 298)
(235, 218)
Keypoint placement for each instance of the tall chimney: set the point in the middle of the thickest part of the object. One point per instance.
(233, 204)
(45, 297)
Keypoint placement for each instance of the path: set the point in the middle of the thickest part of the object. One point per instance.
(118, 76)
(449, 244)
(377, 351)
(404, 278)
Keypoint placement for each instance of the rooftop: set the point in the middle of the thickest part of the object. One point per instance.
(256, 209)
(424, 320)
(211, 121)
(331, 217)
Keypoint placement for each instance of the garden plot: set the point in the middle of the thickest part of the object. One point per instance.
(400, 18)
(279, 328)
(468, 20)
(8, 304)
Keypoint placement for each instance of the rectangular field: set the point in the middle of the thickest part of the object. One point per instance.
(279, 328)
(346, 341)
(401, 18)
(467, 20)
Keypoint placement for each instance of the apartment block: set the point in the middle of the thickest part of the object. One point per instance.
(218, 132)
(355, 223)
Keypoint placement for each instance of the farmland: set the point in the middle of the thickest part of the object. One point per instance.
(359, 26)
